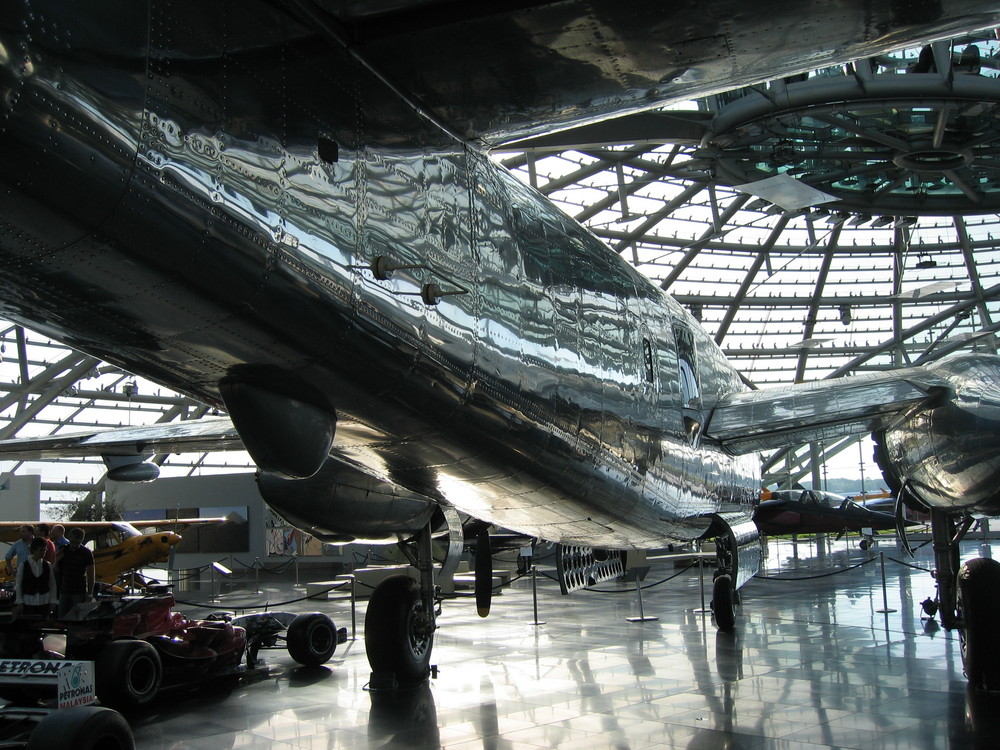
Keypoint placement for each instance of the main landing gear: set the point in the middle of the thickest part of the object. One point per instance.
(737, 548)
(724, 600)
(968, 600)
(401, 620)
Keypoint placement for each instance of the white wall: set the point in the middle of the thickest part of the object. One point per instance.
(20, 497)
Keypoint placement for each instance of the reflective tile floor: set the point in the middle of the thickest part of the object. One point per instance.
(813, 664)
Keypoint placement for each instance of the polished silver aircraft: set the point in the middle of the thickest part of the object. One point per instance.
(285, 210)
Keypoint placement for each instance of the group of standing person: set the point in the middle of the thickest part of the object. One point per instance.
(54, 572)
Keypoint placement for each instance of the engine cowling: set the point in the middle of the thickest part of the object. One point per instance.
(353, 506)
(950, 454)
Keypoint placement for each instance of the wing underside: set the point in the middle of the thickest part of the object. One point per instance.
(193, 436)
(739, 423)
(496, 72)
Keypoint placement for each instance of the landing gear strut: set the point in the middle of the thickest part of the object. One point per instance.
(400, 623)
(737, 548)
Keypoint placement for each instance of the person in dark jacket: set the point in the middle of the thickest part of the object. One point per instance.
(75, 571)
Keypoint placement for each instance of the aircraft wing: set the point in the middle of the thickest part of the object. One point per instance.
(793, 415)
(193, 436)
(517, 68)
(8, 529)
(178, 525)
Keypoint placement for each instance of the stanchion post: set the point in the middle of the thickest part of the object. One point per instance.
(256, 565)
(885, 598)
(221, 569)
(534, 594)
(354, 615)
(701, 578)
(639, 573)
(703, 610)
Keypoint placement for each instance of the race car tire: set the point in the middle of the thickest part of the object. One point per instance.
(127, 674)
(82, 728)
(396, 639)
(311, 639)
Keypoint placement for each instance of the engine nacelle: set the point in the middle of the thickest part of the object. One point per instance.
(356, 506)
(950, 454)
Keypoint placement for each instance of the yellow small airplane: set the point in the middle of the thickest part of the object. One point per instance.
(119, 546)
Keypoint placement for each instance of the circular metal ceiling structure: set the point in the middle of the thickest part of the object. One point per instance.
(890, 136)
(840, 221)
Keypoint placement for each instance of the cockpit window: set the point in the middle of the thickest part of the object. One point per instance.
(687, 366)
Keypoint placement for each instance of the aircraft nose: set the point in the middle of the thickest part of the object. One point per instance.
(171, 540)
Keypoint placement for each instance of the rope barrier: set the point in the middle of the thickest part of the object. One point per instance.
(647, 586)
(280, 568)
(258, 605)
(470, 594)
(821, 575)
(909, 565)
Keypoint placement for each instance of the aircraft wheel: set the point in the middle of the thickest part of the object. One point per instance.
(398, 638)
(724, 603)
(127, 674)
(979, 607)
(311, 639)
(82, 728)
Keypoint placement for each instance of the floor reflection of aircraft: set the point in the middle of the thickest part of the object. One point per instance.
(404, 719)
(286, 210)
(804, 511)
(121, 547)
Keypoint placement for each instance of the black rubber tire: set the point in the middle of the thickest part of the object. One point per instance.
(979, 607)
(128, 674)
(311, 639)
(724, 603)
(391, 641)
(82, 728)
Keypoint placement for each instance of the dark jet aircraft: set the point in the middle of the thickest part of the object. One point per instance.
(285, 209)
(803, 511)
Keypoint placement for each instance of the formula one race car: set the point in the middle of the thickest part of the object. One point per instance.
(139, 644)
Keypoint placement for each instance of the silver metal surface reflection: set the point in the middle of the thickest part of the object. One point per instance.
(204, 192)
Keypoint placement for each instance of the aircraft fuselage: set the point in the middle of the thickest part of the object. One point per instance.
(197, 217)
(235, 195)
